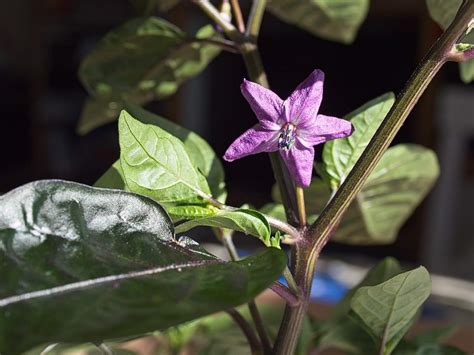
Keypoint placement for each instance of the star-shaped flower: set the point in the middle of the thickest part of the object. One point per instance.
(292, 126)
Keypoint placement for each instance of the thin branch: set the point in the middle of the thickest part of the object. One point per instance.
(238, 15)
(255, 346)
(104, 349)
(285, 293)
(283, 227)
(255, 19)
(291, 281)
(221, 43)
(456, 55)
(301, 206)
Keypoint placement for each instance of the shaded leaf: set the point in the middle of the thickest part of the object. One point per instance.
(337, 20)
(113, 178)
(388, 309)
(144, 59)
(156, 164)
(100, 264)
(340, 155)
(241, 220)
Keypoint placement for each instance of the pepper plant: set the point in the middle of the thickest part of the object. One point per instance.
(104, 264)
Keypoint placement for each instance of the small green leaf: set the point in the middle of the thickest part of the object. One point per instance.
(340, 155)
(143, 60)
(192, 211)
(98, 264)
(443, 12)
(156, 164)
(462, 47)
(337, 20)
(200, 152)
(241, 220)
(388, 309)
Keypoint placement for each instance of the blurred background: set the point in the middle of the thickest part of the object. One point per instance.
(42, 43)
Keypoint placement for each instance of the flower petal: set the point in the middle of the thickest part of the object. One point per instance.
(303, 104)
(299, 161)
(322, 129)
(266, 105)
(255, 140)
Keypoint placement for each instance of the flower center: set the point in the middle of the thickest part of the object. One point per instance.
(287, 137)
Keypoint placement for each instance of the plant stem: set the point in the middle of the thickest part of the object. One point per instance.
(104, 349)
(210, 10)
(238, 15)
(255, 346)
(301, 206)
(307, 250)
(257, 319)
(255, 19)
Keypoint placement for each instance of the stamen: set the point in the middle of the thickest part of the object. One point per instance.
(287, 137)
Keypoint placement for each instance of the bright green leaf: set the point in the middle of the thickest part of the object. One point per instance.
(99, 264)
(337, 20)
(387, 310)
(241, 220)
(143, 60)
(340, 155)
(156, 164)
(200, 152)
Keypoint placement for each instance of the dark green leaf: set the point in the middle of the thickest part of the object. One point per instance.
(435, 335)
(82, 264)
(143, 60)
(241, 220)
(443, 12)
(337, 20)
(387, 310)
(340, 155)
(156, 164)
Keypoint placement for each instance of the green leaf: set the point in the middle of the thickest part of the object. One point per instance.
(200, 152)
(443, 12)
(149, 7)
(242, 220)
(81, 264)
(400, 181)
(388, 309)
(435, 335)
(340, 155)
(337, 20)
(383, 271)
(144, 59)
(156, 164)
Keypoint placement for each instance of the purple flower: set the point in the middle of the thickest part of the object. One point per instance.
(292, 126)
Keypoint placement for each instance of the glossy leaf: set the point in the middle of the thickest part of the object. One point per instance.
(387, 310)
(242, 220)
(443, 12)
(156, 164)
(340, 155)
(200, 152)
(143, 60)
(337, 20)
(81, 264)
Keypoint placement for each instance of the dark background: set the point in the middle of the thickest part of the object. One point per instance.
(42, 43)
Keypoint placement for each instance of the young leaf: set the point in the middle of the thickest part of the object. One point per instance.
(337, 20)
(388, 309)
(200, 152)
(242, 220)
(156, 164)
(443, 12)
(81, 264)
(340, 155)
(144, 59)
